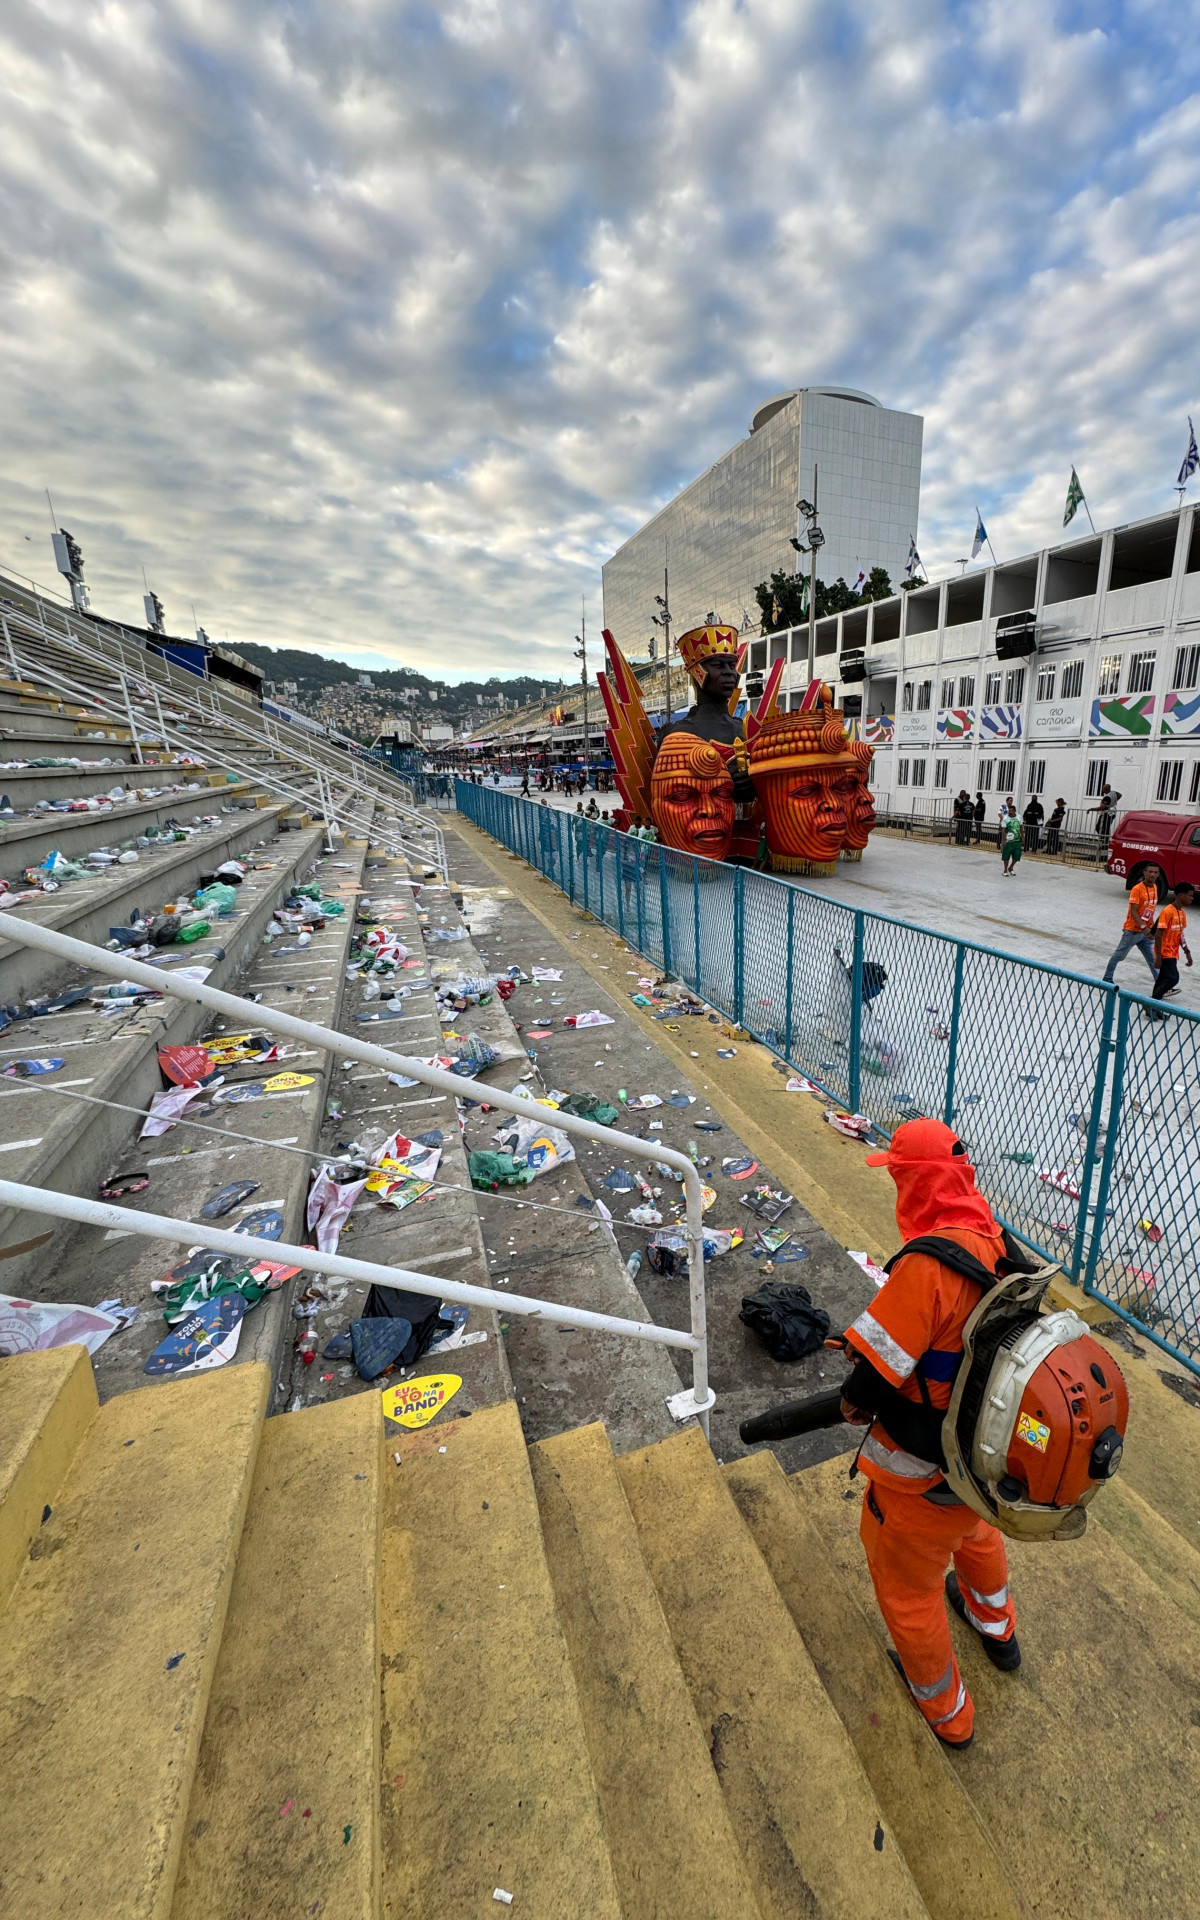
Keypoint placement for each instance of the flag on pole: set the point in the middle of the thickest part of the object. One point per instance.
(981, 534)
(1191, 459)
(860, 582)
(914, 559)
(1075, 499)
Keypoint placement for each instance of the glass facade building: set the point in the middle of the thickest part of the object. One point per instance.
(730, 529)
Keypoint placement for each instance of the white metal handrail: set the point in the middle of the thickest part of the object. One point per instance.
(133, 695)
(315, 751)
(249, 1014)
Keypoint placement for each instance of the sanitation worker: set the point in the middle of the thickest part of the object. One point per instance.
(908, 1346)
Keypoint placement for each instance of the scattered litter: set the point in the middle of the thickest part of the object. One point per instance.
(207, 1338)
(768, 1203)
(739, 1167)
(414, 1403)
(594, 1018)
(27, 1069)
(1151, 1232)
(505, 1898)
(547, 973)
(619, 1180)
(785, 1320)
(646, 1100)
(855, 1126)
(539, 1146)
(27, 1326)
(709, 1126)
(726, 1053)
(681, 1099)
(797, 1084)
(119, 1184)
(263, 1223)
(646, 1216)
(874, 1273)
(166, 1108)
(227, 1198)
(126, 1316)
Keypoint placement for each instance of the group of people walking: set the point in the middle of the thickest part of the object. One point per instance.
(1017, 833)
(1158, 936)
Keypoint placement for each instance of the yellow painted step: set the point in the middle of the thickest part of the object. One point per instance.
(486, 1777)
(673, 1850)
(284, 1809)
(109, 1644)
(1161, 1461)
(1153, 1542)
(46, 1402)
(803, 1812)
(953, 1861)
(1086, 1763)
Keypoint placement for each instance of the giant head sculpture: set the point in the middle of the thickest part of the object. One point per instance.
(805, 772)
(714, 650)
(859, 801)
(691, 796)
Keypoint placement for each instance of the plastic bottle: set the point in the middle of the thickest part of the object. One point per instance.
(306, 1347)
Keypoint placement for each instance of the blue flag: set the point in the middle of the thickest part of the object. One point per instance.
(1191, 459)
(980, 534)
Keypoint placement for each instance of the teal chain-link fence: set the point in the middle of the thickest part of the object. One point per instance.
(1079, 1101)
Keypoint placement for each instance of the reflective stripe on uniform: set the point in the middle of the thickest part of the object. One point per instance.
(867, 1329)
(895, 1460)
(990, 1599)
(956, 1708)
(999, 1629)
(931, 1692)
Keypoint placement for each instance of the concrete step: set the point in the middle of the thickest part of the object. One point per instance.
(56, 1131)
(486, 1777)
(47, 1400)
(109, 1646)
(25, 843)
(270, 1140)
(946, 1844)
(284, 1813)
(1085, 1765)
(814, 1836)
(25, 786)
(86, 908)
(669, 1835)
(1159, 1549)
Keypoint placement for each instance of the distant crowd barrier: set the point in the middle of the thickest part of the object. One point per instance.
(1079, 1101)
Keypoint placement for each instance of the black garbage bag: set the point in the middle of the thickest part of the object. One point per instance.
(785, 1319)
(421, 1310)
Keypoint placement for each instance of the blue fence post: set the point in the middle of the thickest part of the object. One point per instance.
(695, 923)
(856, 982)
(664, 901)
(739, 947)
(1110, 1145)
(1093, 1132)
(622, 846)
(791, 950)
(571, 857)
(643, 861)
(952, 1058)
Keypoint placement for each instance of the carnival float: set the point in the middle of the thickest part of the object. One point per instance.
(788, 791)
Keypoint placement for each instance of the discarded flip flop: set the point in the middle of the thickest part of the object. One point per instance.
(227, 1198)
(264, 1223)
(739, 1167)
(25, 1069)
(122, 1183)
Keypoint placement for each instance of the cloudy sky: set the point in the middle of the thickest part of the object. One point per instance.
(377, 326)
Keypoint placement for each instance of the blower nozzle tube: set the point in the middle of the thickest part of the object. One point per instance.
(808, 1415)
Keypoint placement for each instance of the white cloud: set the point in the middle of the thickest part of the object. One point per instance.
(378, 326)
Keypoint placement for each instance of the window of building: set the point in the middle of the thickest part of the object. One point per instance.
(1006, 775)
(872, 770)
(1194, 788)
(987, 770)
(1045, 683)
(1097, 778)
(1014, 686)
(1072, 680)
(1170, 779)
(947, 693)
(941, 773)
(1141, 672)
(906, 702)
(991, 691)
(902, 773)
(924, 697)
(1110, 674)
(966, 690)
(1035, 777)
(1187, 669)
(918, 773)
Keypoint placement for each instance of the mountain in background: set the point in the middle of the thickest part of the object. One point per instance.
(314, 676)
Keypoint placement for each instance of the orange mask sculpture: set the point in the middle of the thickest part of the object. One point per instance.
(691, 797)
(808, 777)
(859, 801)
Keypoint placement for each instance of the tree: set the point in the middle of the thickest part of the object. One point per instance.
(784, 597)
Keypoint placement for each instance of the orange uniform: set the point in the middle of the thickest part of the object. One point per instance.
(1172, 925)
(1143, 905)
(911, 1524)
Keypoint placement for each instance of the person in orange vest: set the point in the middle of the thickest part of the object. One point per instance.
(1139, 923)
(1168, 939)
(908, 1347)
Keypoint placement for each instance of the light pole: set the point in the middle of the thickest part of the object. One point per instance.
(816, 540)
(581, 654)
(663, 620)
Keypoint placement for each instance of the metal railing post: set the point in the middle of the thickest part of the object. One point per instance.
(791, 952)
(739, 947)
(12, 658)
(695, 923)
(133, 732)
(1110, 1146)
(1093, 1132)
(664, 899)
(856, 983)
(952, 1057)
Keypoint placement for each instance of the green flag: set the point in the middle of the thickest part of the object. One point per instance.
(1074, 499)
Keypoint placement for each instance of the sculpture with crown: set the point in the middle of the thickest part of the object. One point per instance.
(722, 785)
